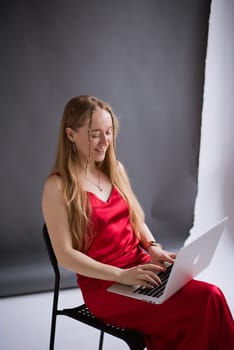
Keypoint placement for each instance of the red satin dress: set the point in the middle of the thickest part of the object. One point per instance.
(196, 317)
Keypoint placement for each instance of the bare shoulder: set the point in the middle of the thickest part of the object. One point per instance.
(53, 204)
(52, 188)
(120, 166)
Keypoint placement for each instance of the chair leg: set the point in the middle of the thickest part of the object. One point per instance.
(52, 331)
(54, 312)
(101, 340)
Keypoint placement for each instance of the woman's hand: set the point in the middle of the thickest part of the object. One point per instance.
(160, 256)
(144, 275)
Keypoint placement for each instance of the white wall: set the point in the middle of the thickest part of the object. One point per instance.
(215, 198)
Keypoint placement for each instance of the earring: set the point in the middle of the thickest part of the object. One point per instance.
(89, 155)
(74, 147)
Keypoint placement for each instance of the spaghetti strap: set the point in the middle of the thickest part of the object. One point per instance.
(56, 173)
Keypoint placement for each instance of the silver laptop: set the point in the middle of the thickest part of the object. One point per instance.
(190, 261)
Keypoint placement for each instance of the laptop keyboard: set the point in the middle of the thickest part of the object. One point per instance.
(156, 291)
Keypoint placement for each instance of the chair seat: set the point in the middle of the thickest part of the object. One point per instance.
(134, 339)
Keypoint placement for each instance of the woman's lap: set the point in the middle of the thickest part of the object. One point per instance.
(187, 315)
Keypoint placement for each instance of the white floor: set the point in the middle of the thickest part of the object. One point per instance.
(25, 324)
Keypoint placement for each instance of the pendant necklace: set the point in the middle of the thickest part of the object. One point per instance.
(98, 184)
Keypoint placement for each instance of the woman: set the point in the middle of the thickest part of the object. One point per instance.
(97, 230)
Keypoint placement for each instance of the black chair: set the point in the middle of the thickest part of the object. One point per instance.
(81, 313)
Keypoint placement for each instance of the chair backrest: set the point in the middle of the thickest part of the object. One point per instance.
(50, 250)
(133, 339)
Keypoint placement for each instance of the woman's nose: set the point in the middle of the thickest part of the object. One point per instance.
(104, 140)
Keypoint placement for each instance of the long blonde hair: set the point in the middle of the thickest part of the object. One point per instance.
(77, 111)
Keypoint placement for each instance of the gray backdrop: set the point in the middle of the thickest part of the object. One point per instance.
(146, 58)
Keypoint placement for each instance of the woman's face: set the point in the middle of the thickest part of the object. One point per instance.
(95, 143)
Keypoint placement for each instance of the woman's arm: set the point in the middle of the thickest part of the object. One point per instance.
(158, 256)
(55, 216)
(147, 238)
(154, 249)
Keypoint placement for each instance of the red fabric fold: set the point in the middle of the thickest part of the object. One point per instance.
(196, 317)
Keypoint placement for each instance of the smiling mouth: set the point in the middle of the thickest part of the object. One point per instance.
(101, 151)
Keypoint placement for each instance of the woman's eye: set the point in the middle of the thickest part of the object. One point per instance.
(109, 132)
(95, 135)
